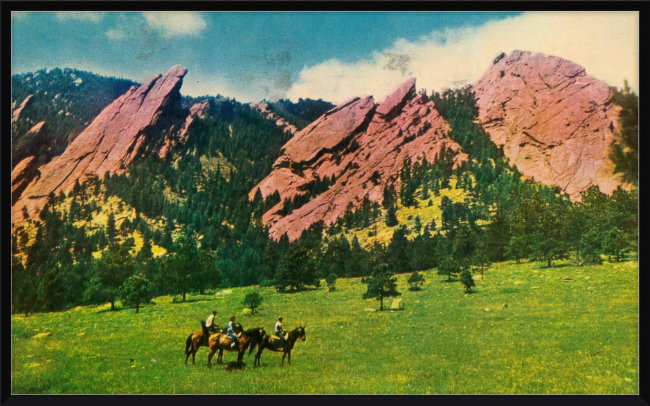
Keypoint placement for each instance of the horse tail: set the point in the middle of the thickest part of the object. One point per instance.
(188, 344)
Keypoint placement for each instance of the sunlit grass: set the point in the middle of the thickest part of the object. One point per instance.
(406, 216)
(526, 330)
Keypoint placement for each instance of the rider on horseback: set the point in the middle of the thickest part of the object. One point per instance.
(231, 332)
(280, 332)
(209, 323)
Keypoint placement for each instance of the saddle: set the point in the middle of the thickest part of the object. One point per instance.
(276, 341)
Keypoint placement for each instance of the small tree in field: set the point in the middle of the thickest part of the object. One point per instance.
(468, 280)
(416, 280)
(448, 267)
(481, 262)
(253, 300)
(331, 282)
(381, 284)
(136, 291)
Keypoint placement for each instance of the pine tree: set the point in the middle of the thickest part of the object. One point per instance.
(415, 280)
(467, 280)
(135, 291)
(391, 216)
(381, 284)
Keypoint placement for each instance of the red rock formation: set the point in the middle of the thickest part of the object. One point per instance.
(553, 120)
(263, 107)
(20, 177)
(15, 115)
(364, 146)
(198, 109)
(109, 143)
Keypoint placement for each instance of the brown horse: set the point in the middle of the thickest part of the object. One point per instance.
(274, 343)
(220, 342)
(197, 340)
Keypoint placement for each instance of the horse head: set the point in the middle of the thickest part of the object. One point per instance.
(301, 333)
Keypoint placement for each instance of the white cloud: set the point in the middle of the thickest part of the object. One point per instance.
(115, 34)
(88, 16)
(172, 24)
(605, 43)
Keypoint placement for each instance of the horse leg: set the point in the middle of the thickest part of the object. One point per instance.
(284, 354)
(289, 357)
(257, 357)
(210, 355)
(220, 357)
(194, 351)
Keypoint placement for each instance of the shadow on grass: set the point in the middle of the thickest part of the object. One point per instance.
(193, 300)
(298, 290)
(117, 309)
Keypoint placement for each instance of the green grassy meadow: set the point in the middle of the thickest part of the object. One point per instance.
(526, 329)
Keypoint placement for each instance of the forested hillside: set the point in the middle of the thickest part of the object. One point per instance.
(186, 223)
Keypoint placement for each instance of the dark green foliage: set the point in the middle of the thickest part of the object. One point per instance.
(615, 244)
(296, 270)
(135, 291)
(448, 267)
(182, 266)
(24, 287)
(625, 153)
(467, 280)
(109, 273)
(303, 113)
(391, 216)
(331, 282)
(415, 281)
(381, 284)
(397, 252)
(252, 300)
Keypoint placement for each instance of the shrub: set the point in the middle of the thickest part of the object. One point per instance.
(416, 280)
(468, 280)
(252, 300)
(331, 282)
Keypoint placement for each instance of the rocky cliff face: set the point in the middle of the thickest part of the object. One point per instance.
(364, 146)
(15, 115)
(263, 107)
(555, 122)
(109, 143)
(20, 177)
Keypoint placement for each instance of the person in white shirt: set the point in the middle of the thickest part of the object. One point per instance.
(209, 323)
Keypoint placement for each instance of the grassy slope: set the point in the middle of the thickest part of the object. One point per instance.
(555, 336)
(406, 216)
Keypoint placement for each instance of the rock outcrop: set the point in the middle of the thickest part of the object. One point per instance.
(555, 122)
(364, 147)
(15, 115)
(197, 110)
(263, 107)
(22, 173)
(110, 142)
(32, 140)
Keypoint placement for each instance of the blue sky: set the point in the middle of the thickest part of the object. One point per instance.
(252, 56)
